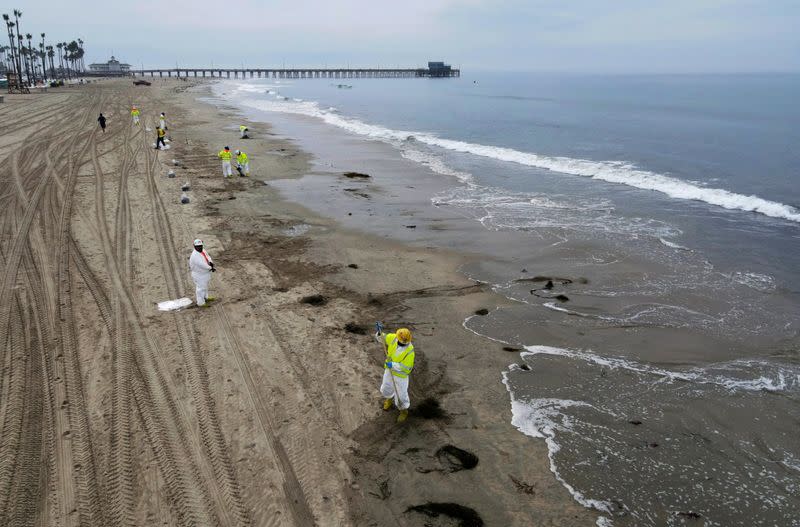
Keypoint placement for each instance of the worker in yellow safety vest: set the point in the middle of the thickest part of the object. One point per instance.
(160, 133)
(396, 369)
(135, 115)
(225, 156)
(242, 163)
(243, 131)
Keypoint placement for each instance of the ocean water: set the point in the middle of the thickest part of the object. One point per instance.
(666, 210)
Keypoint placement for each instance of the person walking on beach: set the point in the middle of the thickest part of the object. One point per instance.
(160, 138)
(396, 369)
(102, 121)
(135, 115)
(242, 163)
(162, 121)
(225, 156)
(243, 131)
(201, 266)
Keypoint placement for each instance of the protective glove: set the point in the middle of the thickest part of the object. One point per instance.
(388, 364)
(213, 269)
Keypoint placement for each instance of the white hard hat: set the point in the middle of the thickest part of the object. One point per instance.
(238, 152)
(197, 242)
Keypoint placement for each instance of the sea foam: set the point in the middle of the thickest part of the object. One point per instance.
(618, 172)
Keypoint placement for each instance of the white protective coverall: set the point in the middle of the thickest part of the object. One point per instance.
(200, 266)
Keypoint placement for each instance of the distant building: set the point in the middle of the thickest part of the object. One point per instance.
(112, 67)
(439, 69)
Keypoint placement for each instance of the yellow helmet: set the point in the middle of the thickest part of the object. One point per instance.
(403, 336)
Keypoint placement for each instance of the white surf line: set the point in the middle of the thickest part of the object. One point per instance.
(618, 172)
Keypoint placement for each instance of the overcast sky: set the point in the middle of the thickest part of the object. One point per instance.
(619, 36)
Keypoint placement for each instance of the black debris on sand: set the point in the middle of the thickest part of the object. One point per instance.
(482, 312)
(352, 327)
(356, 175)
(455, 459)
(465, 516)
(314, 300)
(430, 409)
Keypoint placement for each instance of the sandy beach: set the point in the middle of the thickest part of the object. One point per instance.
(264, 408)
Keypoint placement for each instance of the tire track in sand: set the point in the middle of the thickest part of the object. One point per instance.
(213, 440)
(293, 491)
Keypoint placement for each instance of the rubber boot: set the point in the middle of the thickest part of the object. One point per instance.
(403, 416)
(387, 404)
(210, 298)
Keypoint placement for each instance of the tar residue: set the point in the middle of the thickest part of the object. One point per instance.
(352, 327)
(456, 459)
(314, 300)
(430, 409)
(466, 517)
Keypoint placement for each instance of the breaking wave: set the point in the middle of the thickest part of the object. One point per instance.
(618, 172)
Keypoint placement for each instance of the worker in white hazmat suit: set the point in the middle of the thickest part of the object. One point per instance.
(201, 265)
(162, 121)
(396, 369)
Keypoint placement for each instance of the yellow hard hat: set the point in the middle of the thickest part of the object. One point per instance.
(403, 336)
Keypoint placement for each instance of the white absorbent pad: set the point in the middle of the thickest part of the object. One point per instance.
(171, 305)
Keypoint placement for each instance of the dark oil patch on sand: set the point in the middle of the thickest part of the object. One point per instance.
(466, 517)
(430, 409)
(314, 300)
(455, 459)
(352, 327)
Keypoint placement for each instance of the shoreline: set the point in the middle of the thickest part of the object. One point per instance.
(264, 409)
(451, 299)
(550, 385)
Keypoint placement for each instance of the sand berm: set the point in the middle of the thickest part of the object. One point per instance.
(262, 409)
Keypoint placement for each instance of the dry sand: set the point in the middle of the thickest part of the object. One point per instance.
(261, 410)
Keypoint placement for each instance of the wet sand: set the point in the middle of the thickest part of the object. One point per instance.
(263, 409)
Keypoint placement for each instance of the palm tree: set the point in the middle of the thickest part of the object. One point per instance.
(3, 58)
(80, 48)
(22, 55)
(75, 53)
(51, 54)
(10, 31)
(66, 60)
(17, 16)
(31, 56)
(14, 55)
(42, 56)
(60, 46)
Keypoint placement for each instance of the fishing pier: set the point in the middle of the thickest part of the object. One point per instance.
(434, 69)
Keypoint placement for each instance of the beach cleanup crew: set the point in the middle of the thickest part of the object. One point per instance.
(225, 156)
(243, 132)
(201, 266)
(160, 133)
(135, 115)
(242, 163)
(396, 369)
